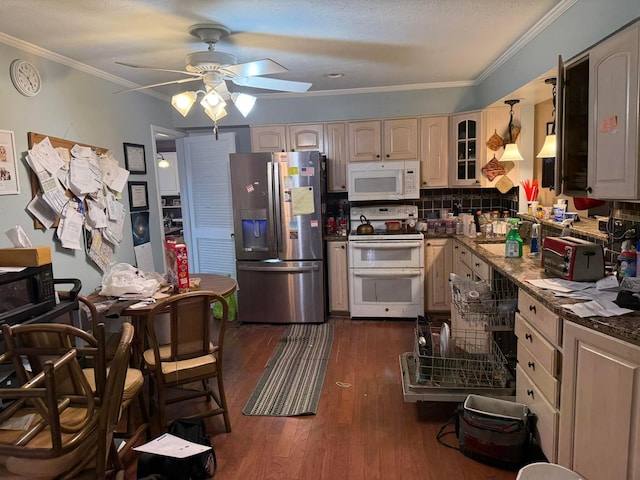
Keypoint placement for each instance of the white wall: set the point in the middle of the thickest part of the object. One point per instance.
(78, 107)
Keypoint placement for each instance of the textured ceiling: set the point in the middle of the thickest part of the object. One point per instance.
(377, 44)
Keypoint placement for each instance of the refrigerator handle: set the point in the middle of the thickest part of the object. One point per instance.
(277, 203)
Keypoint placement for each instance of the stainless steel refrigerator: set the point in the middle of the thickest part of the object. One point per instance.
(278, 236)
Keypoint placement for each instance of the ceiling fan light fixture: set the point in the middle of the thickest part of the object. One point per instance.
(183, 102)
(243, 102)
(217, 112)
(212, 99)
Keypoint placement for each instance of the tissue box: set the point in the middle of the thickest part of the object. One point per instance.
(25, 257)
(177, 265)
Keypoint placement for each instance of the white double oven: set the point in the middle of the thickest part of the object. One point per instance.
(386, 268)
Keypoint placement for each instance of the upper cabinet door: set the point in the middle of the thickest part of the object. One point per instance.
(434, 152)
(465, 150)
(304, 138)
(401, 139)
(269, 138)
(365, 141)
(613, 111)
(335, 139)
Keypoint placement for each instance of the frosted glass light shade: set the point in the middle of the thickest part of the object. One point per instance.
(548, 150)
(511, 153)
(212, 99)
(163, 163)
(243, 102)
(217, 112)
(183, 102)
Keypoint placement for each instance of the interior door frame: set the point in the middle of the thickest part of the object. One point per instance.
(163, 133)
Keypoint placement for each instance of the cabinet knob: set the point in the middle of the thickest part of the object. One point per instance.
(589, 189)
(377, 155)
(456, 247)
(388, 155)
(530, 393)
(528, 337)
(428, 244)
(477, 264)
(233, 235)
(532, 308)
(343, 186)
(532, 365)
(342, 247)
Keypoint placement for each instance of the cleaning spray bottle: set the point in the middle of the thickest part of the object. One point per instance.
(513, 242)
(535, 234)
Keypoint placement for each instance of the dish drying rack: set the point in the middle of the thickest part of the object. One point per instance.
(449, 366)
(490, 304)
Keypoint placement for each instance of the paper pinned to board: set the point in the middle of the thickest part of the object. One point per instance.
(302, 201)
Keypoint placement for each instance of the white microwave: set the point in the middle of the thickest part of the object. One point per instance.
(391, 180)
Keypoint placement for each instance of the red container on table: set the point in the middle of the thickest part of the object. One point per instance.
(177, 265)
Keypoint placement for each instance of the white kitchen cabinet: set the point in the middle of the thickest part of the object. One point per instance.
(438, 262)
(338, 276)
(613, 171)
(390, 139)
(365, 141)
(288, 138)
(168, 179)
(400, 138)
(305, 137)
(434, 152)
(600, 405)
(539, 369)
(269, 138)
(465, 149)
(336, 149)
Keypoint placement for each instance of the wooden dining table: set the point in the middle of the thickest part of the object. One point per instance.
(223, 285)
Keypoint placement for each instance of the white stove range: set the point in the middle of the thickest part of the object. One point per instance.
(386, 268)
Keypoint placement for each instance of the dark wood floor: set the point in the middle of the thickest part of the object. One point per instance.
(363, 428)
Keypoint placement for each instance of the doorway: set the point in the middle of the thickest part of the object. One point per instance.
(205, 189)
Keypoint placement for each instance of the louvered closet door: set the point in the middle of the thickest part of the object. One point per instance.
(208, 214)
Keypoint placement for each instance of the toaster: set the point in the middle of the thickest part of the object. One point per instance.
(573, 259)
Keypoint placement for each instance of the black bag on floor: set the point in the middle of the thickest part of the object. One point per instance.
(196, 467)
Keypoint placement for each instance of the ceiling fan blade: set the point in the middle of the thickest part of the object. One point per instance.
(272, 84)
(158, 69)
(265, 66)
(184, 80)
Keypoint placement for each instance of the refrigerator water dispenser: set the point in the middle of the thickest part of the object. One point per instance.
(254, 234)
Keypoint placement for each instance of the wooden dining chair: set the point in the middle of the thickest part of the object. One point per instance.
(133, 385)
(190, 356)
(71, 435)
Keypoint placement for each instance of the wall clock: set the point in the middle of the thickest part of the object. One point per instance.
(25, 78)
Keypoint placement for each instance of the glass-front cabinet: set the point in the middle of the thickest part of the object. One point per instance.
(465, 161)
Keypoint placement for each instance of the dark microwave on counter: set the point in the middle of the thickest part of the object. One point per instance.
(26, 294)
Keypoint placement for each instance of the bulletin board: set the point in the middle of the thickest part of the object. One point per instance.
(35, 138)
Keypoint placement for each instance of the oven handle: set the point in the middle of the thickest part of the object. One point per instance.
(385, 245)
(386, 273)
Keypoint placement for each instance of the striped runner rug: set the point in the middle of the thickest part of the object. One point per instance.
(292, 381)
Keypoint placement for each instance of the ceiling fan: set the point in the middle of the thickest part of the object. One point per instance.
(215, 68)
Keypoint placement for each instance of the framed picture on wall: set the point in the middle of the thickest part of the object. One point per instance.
(138, 196)
(9, 184)
(134, 158)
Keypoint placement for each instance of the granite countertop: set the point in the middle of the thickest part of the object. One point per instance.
(624, 327)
